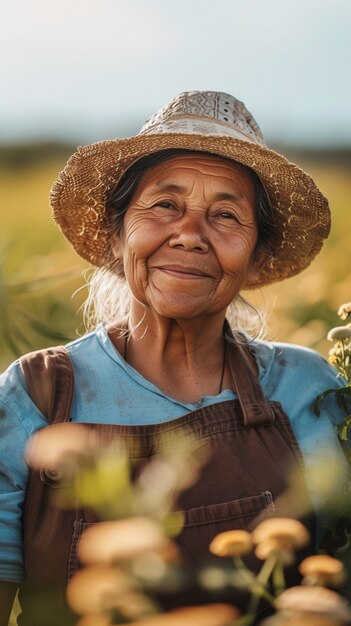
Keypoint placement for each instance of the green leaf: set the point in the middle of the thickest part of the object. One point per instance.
(320, 399)
(343, 432)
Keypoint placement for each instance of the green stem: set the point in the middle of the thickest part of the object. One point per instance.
(259, 588)
(245, 571)
(342, 368)
(279, 577)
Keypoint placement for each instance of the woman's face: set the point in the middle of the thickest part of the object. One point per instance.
(189, 236)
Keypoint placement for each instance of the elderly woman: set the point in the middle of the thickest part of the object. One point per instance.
(179, 220)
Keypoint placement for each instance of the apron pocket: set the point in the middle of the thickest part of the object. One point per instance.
(203, 523)
(243, 510)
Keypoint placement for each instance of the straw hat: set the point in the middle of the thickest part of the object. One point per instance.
(205, 121)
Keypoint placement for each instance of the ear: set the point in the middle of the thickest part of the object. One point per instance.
(116, 246)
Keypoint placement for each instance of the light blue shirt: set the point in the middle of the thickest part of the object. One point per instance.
(108, 390)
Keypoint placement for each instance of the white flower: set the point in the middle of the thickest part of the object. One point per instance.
(344, 310)
(338, 333)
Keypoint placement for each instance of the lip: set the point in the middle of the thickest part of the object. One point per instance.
(183, 272)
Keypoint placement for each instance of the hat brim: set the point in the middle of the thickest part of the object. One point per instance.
(78, 197)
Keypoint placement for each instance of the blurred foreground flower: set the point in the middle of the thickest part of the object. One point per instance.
(60, 448)
(205, 615)
(322, 569)
(318, 601)
(279, 536)
(300, 618)
(107, 542)
(231, 543)
(95, 619)
(97, 588)
(344, 310)
(100, 592)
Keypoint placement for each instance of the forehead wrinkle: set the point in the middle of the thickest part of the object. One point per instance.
(186, 190)
(215, 196)
(171, 187)
(207, 173)
(238, 195)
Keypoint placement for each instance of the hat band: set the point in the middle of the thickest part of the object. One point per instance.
(198, 125)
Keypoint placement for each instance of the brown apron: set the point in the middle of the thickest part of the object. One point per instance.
(253, 452)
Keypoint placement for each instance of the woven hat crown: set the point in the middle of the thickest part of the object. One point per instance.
(205, 113)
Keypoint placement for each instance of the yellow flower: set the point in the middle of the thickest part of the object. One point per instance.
(332, 358)
(231, 543)
(121, 539)
(322, 569)
(281, 536)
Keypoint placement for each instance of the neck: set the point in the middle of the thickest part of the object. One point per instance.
(184, 358)
(172, 336)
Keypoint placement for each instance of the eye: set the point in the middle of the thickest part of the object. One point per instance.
(165, 204)
(227, 215)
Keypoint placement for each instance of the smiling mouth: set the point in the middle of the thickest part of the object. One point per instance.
(183, 272)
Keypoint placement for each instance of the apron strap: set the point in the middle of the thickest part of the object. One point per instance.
(243, 368)
(49, 379)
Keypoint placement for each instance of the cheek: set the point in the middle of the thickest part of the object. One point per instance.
(140, 238)
(238, 254)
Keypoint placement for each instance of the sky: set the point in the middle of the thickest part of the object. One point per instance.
(84, 70)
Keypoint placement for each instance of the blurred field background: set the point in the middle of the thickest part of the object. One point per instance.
(40, 271)
(93, 70)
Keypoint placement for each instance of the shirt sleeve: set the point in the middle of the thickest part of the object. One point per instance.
(19, 418)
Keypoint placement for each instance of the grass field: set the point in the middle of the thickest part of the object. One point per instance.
(39, 270)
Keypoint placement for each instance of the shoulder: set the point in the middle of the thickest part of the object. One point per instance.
(12, 379)
(294, 362)
(296, 376)
(16, 407)
(95, 344)
(14, 399)
(284, 352)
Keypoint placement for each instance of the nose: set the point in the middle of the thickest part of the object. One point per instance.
(189, 235)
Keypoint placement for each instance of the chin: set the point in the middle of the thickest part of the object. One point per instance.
(182, 309)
